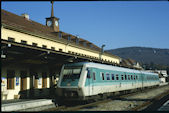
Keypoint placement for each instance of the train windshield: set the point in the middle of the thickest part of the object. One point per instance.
(71, 76)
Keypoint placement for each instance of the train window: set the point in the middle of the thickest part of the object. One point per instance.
(112, 76)
(88, 73)
(121, 77)
(94, 76)
(131, 77)
(102, 74)
(117, 77)
(134, 77)
(108, 76)
(125, 77)
(128, 77)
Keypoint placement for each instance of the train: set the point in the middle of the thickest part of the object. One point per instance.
(92, 81)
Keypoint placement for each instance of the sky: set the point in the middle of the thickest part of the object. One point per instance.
(116, 24)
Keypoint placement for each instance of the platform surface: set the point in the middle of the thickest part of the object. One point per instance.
(15, 105)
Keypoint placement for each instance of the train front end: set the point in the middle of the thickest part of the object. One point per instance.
(69, 84)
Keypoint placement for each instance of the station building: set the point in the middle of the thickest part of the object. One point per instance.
(32, 55)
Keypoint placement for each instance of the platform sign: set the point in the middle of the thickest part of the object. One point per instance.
(17, 81)
(3, 81)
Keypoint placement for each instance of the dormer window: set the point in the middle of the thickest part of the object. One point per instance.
(84, 44)
(11, 39)
(77, 41)
(60, 35)
(69, 37)
(23, 41)
(91, 45)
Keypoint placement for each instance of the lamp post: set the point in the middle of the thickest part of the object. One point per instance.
(102, 51)
(102, 48)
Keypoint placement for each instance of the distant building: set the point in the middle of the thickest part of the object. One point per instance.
(131, 63)
(162, 75)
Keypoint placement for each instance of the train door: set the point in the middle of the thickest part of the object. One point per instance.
(89, 81)
(142, 80)
(93, 80)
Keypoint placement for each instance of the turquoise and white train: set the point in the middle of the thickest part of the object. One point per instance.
(87, 80)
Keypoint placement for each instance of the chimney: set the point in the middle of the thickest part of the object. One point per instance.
(26, 16)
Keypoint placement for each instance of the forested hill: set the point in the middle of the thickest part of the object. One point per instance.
(143, 54)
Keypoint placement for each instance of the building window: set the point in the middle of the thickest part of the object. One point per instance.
(77, 41)
(11, 39)
(60, 35)
(44, 80)
(44, 46)
(23, 42)
(91, 45)
(84, 44)
(94, 76)
(112, 76)
(34, 44)
(10, 79)
(69, 38)
(117, 77)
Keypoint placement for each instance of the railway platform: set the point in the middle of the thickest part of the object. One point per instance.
(21, 104)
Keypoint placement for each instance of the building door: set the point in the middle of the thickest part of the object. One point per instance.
(23, 80)
(44, 80)
(36, 81)
(10, 79)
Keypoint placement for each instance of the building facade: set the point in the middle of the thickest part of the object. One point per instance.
(32, 55)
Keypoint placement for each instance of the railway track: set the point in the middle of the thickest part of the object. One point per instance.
(122, 96)
(148, 103)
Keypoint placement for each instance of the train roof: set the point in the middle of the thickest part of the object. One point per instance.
(110, 67)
